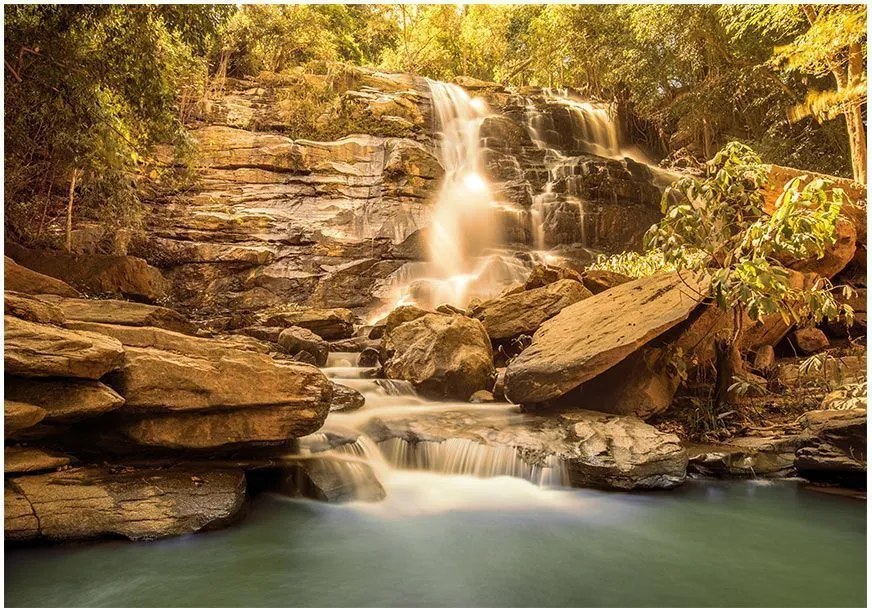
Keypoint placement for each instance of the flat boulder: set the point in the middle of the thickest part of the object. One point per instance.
(522, 313)
(328, 323)
(598, 281)
(250, 427)
(153, 381)
(64, 399)
(443, 356)
(30, 308)
(122, 312)
(587, 338)
(144, 504)
(18, 278)
(36, 349)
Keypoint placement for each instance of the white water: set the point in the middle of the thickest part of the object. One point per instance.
(422, 477)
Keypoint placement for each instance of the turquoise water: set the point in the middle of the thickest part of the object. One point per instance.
(470, 542)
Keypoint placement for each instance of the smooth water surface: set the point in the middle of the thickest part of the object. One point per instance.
(461, 541)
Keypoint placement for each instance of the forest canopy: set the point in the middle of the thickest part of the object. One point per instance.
(91, 90)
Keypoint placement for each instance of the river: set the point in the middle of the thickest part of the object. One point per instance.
(442, 540)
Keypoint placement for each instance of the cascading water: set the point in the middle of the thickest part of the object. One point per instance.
(357, 460)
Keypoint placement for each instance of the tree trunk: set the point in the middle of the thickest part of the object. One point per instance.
(70, 210)
(854, 114)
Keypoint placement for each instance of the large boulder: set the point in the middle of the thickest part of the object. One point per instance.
(64, 399)
(522, 313)
(153, 381)
(587, 338)
(443, 356)
(597, 281)
(90, 503)
(34, 349)
(579, 448)
(346, 399)
(18, 278)
(329, 323)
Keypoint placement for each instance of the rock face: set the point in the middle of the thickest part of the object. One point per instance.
(580, 448)
(34, 349)
(523, 313)
(90, 503)
(589, 337)
(443, 356)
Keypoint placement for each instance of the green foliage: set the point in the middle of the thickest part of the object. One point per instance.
(718, 226)
(80, 97)
(633, 264)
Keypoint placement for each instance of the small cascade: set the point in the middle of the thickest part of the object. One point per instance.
(365, 470)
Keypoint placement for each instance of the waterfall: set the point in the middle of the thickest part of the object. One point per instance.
(358, 463)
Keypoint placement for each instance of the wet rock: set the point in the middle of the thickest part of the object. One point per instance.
(18, 278)
(64, 399)
(522, 313)
(118, 275)
(598, 281)
(89, 503)
(153, 380)
(19, 460)
(580, 448)
(328, 323)
(810, 340)
(835, 450)
(305, 356)
(34, 349)
(298, 339)
(368, 358)
(345, 399)
(31, 309)
(443, 356)
(121, 312)
(772, 456)
(330, 480)
(589, 337)
(18, 416)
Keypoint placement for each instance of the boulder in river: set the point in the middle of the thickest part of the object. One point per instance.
(329, 323)
(346, 399)
(589, 337)
(297, 339)
(835, 447)
(443, 356)
(509, 316)
(89, 503)
(579, 448)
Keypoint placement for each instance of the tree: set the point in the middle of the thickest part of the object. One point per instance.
(83, 108)
(717, 227)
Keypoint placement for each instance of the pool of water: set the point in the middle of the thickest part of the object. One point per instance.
(460, 541)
